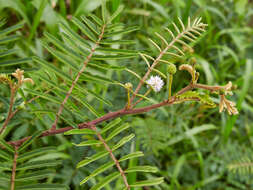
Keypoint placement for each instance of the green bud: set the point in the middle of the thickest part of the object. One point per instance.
(172, 69)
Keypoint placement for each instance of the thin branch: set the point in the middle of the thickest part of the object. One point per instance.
(207, 87)
(14, 166)
(122, 173)
(10, 114)
(119, 113)
(88, 58)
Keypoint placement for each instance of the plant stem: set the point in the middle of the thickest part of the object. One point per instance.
(207, 87)
(14, 166)
(119, 113)
(128, 99)
(170, 84)
(88, 58)
(122, 173)
(10, 114)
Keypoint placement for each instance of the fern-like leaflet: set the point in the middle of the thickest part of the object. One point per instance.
(194, 95)
(7, 36)
(21, 169)
(105, 136)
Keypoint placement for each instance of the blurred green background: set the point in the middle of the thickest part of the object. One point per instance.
(191, 145)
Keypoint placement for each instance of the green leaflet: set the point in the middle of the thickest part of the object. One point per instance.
(116, 13)
(9, 39)
(6, 145)
(106, 181)
(96, 19)
(62, 46)
(90, 24)
(151, 182)
(36, 152)
(109, 165)
(51, 67)
(5, 155)
(86, 76)
(131, 156)
(69, 122)
(73, 35)
(80, 131)
(84, 29)
(116, 51)
(105, 66)
(88, 106)
(111, 42)
(61, 56)
(8, 52)
(149, 169)
(123, 141)
(111, 125)
(104, 153)
(98, 171)
(43, 187)
(35, 175)
(15, 62)
(6, 166)
(89, 143)
(43, 95)
(39, 164)
(28, 142)
(120, 32)
(10, 29)
(110, 57)
(190, 95)
(97, 96)
(76, 47)
(74, 93)
(92, 159)
(117, 131)
(4, 177)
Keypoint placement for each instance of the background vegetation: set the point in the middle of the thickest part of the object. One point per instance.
(193, 147)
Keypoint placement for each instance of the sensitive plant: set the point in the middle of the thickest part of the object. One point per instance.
(65, 91)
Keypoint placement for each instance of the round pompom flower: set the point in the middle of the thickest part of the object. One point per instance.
(155, 82)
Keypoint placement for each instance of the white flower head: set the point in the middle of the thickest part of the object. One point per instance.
(155, 82)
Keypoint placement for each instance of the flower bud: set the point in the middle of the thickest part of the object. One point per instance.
(129, 85)
(172, 69)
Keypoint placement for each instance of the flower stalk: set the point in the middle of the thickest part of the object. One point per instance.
(128, 87)
(170, 85)
(171, 69)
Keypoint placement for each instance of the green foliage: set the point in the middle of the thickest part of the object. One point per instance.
(109, 132)
(192, 95)
(6, 50)
(31, 166)
(242, 166)
(190, 145)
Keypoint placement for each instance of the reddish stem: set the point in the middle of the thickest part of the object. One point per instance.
(14, 166)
